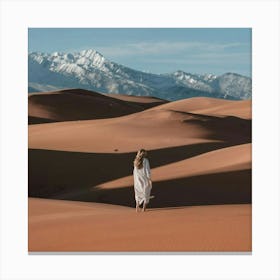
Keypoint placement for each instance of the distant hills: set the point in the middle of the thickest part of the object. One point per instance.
(90, 70)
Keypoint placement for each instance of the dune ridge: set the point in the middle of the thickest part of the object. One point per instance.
(211, 107)
(149, 128)
(223, 158)
(79, 104)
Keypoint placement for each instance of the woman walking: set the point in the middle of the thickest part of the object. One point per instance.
(142, 179)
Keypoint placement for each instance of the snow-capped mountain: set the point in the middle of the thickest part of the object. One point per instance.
(90, 70)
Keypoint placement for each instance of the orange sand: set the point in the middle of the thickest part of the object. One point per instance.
(75, 226)
(200, 155)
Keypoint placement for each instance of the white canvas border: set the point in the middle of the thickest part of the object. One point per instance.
(261, 16)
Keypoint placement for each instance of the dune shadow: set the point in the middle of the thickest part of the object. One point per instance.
(54, 172)
(233, 187)
(228, 128)
(210, 189)
(37, 120)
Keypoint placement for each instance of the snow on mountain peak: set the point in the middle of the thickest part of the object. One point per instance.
(94, 56)
(90, 53)
(89, 69)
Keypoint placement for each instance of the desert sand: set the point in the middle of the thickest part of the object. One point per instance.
(96, 227)
(80, 173)
(156, 128)
(212, 107)
(80, 104)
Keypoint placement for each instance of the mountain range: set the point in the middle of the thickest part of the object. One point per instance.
(88, 69)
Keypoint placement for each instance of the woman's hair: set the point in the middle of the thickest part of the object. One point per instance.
(138, 161)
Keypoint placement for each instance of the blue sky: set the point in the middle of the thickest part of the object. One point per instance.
(156, 50)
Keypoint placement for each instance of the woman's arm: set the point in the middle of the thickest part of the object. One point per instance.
(147, 169)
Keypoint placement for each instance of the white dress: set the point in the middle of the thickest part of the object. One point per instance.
(142, 183)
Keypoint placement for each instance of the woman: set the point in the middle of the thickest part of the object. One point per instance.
(142, 179)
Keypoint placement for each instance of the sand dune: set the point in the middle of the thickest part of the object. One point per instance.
(150, 129)
(221, 176)
(92, 160)
(78, 104)
(200, 154)
(183, 176)
(75, 226)
(52, 172)
(221, 160)
(211, 107)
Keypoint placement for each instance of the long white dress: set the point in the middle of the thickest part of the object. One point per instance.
(142, 183)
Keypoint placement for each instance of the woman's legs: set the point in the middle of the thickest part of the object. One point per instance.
(144, 207)
(137, 206)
